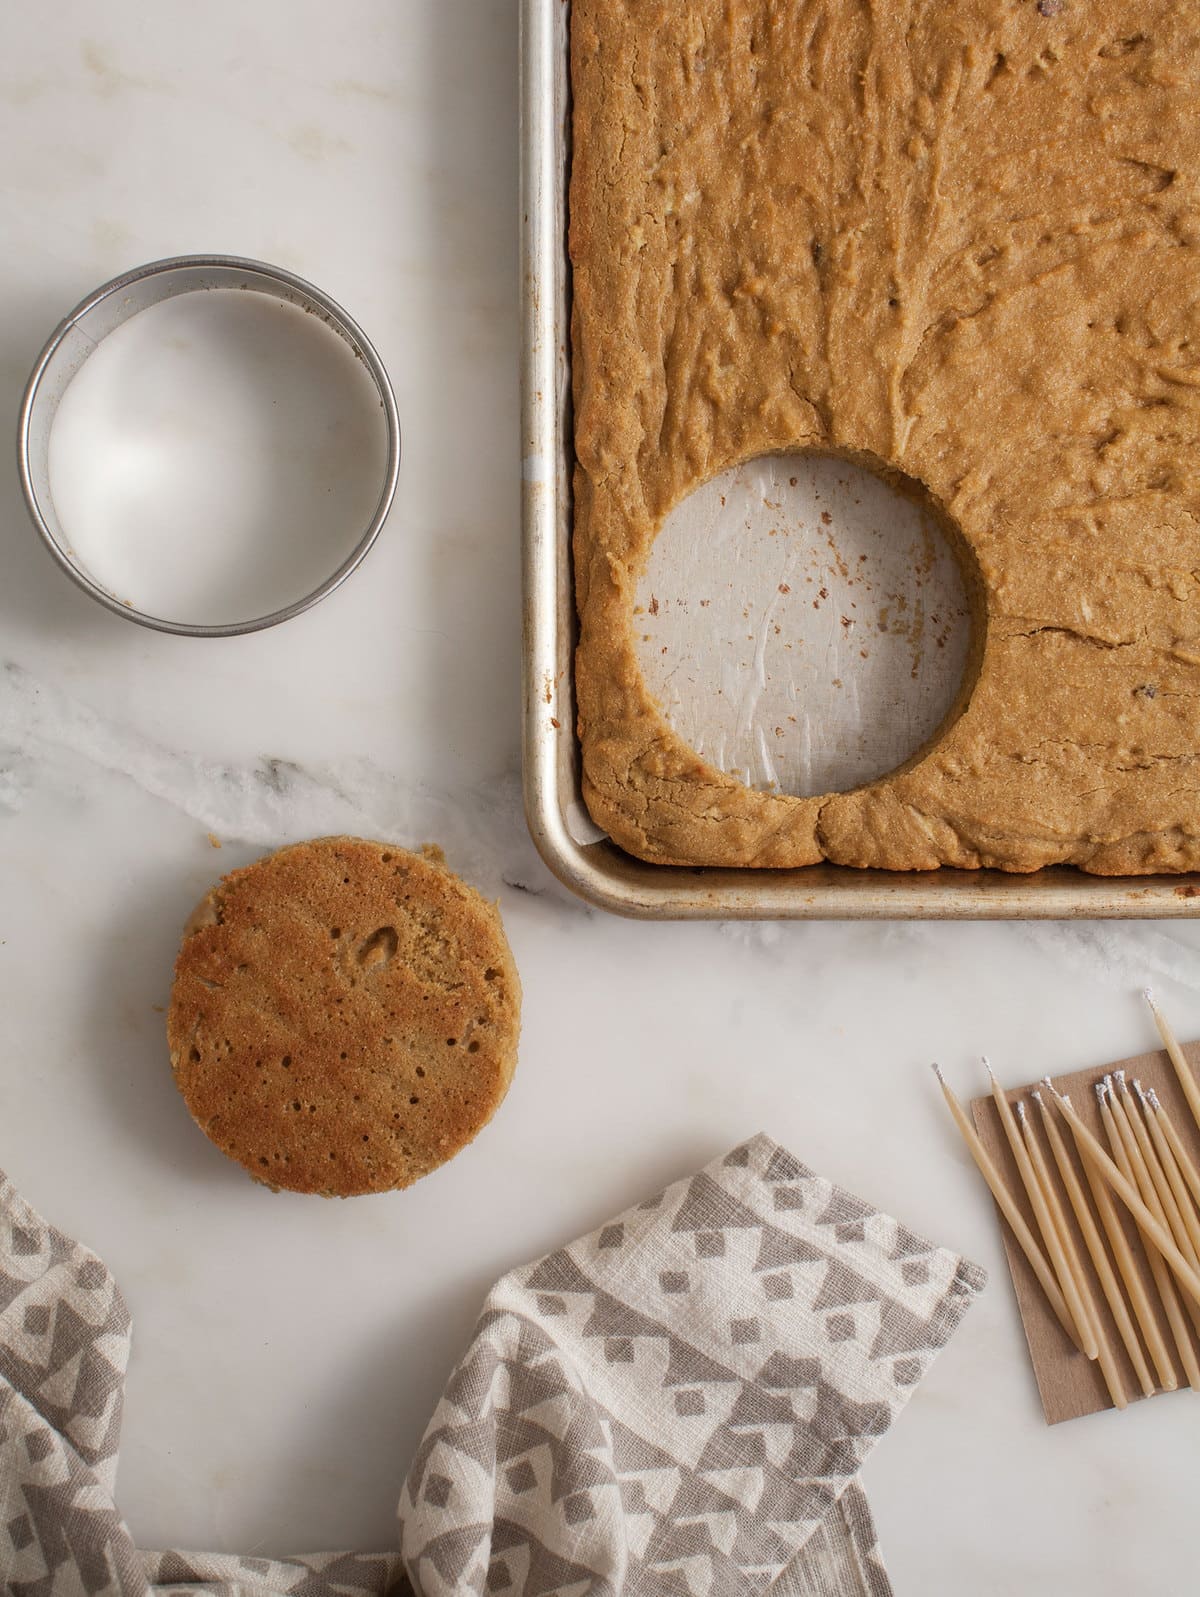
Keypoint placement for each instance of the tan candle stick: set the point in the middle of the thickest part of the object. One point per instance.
(1139, 1299)
(1129, 1196)
(1094, 1242)
(1008, 1207)
(1151, 1147)
(1048, 1193)
(1120, 1107)
(1094, 1325)
(1191, 1088)
(1183, 1158)
(1128, 1156)
(1184, 1207)
(1085, 1336)
(1146, 1318)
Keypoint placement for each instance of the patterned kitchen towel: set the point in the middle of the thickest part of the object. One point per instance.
(675, 1406)
(678, 1404)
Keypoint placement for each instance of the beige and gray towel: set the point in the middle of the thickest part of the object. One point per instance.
(675, 1406)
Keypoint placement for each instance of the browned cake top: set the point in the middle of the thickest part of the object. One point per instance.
(960, 242)
(344, 1016)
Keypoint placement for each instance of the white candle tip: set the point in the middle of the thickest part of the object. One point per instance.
(1037, 1097)
(1152, 1098)
(937, 1070)
(1065, 1098)
(1103, 1088)
(1019, 1106)
(987, 1065)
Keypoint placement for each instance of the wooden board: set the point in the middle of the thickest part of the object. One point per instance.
(1070, 1384)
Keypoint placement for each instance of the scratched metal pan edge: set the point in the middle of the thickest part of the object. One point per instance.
(586, 862)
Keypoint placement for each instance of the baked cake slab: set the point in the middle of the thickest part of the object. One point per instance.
(957, 244)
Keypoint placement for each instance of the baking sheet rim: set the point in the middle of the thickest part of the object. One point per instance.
(600, 872)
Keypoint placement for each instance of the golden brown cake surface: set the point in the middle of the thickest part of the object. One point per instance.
(344, 1016)
(960, 242)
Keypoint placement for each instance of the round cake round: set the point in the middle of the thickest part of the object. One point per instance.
(344, 1016)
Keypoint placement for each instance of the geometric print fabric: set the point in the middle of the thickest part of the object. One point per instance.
(674, 1406)
(678, 1404)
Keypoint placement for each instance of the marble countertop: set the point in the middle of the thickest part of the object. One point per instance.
(372, 148)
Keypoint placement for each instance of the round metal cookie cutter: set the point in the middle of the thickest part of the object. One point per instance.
(104, 310)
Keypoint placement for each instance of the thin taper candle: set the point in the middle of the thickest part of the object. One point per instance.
(1191, 1088)
(1007, 1206)
(1128, 1155)
(1094, 1243)
(1183, 1158)
(1095, 1327)
(1154, 1147)
(1123, 1254)
(1083, 1333)
(1129, 1196)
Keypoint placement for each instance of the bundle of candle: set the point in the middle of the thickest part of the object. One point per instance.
(1101, 1193)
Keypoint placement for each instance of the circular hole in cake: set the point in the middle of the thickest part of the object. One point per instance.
(803, 624)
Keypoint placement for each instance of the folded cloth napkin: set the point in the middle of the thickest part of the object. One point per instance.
(675, 1406)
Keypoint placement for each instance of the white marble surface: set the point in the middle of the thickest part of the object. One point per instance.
(288, 1351)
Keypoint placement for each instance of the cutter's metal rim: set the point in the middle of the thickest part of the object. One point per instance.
(269, 279)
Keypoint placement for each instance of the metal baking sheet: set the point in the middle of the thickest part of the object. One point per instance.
(789, 707)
